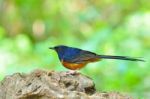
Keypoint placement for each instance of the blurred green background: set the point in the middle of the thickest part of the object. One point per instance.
(29, 27)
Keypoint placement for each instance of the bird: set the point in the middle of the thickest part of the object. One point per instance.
(75, 58)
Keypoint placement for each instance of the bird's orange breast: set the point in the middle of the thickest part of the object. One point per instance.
(73, 66)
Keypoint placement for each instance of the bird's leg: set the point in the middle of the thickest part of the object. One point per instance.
(71, 72)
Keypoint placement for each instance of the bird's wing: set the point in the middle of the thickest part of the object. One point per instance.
(84, 56)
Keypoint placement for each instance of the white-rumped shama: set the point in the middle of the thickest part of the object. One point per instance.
(75, 58)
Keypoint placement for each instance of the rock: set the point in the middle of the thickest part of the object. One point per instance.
(52, 85)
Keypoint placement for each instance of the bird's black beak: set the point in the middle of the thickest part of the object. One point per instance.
(51, 48)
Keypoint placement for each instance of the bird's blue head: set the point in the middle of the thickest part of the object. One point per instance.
(60, 49)
(65, 52)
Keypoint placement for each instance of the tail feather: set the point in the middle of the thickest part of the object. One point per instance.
(120, 58)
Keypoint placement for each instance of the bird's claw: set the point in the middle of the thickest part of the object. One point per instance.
(71, 72)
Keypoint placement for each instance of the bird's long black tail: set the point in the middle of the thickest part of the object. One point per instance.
(120, 58)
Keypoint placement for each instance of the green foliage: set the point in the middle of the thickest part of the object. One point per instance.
(28, 28)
